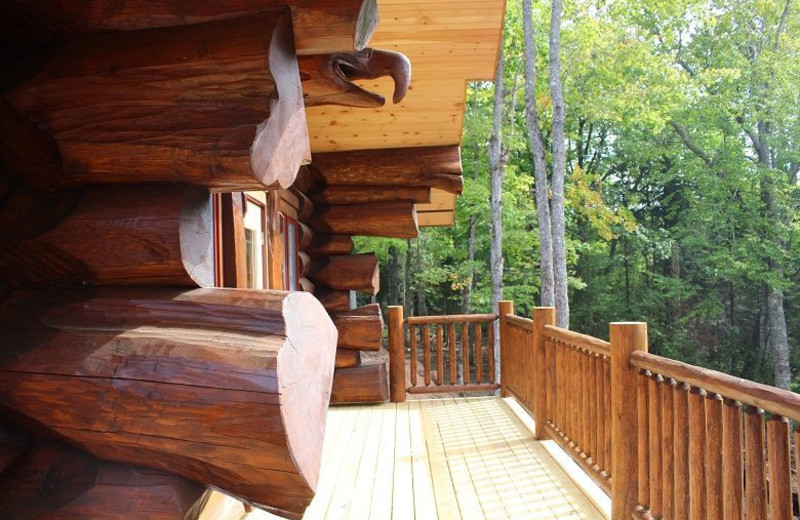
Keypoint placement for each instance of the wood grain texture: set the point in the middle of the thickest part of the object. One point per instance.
(360, 328)
(217, 104)
(347, 272)
(326, 244)
(59, 482)
(330, 195)
(431, 167)
(228, 388)
(346, 358)
(378, 219)
(332, 300)
(364, 384)
(138, 235)
(397, 355)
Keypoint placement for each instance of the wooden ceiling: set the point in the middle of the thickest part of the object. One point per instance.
(449, 43)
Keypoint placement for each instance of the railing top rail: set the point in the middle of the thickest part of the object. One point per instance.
(770, 398)
(576, 339)
(519, 321)
(451, 318)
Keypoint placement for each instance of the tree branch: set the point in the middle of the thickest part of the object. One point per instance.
(687, 141)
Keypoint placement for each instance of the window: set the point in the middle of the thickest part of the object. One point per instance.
(290, 248)
(255, 244)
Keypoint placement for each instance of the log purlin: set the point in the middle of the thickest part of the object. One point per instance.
(228, 388)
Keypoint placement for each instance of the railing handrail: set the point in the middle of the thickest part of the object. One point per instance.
(769, 398)
(449, 318)
(576, 339)
(519, 321)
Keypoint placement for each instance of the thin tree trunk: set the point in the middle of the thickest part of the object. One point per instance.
(546, 287)
(559, 171)
(408, 299)
(422, 307)
(497, 161)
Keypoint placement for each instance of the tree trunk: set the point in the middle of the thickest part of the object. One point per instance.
(546, 288)
(466, 292)
(497, 161)
(559, 171)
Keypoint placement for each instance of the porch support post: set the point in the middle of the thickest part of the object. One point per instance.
(541, 316)
(504, 307)
(625, 339)
(397, 357)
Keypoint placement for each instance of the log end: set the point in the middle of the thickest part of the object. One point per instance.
(306, 366)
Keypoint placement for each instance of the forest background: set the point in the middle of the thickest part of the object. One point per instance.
(682, 190)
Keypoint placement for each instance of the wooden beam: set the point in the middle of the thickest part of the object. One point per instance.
(333, 300)
(347, 358)
(51, 480)
(332, 195)
(137, 235)
(233, 240)
(320, 26)
(216, 104)
(431, 167)
(326, 244)
(328, 79)
(26, 153)
(347, 272)
(14, 443)
(361, 328)
(363, 384)
(376, 219)
(228, 388)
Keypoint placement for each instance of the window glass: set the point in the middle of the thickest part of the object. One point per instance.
(254, 243)
(291, 254)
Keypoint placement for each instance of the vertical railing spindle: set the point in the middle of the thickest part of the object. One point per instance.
(439, 354)
(713, 460)
(755, 488)
(732, 477)
(426, 354)
(780, 471)
(452, 349)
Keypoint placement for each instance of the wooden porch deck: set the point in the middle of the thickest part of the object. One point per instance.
(439, 459)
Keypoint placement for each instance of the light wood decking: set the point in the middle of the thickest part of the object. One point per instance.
(439, 459)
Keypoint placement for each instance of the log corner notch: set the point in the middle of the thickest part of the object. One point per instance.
(328, 78)
(228, 388)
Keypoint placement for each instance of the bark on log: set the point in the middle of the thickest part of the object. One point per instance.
(347, 358)
(58, 482)
(138, 235)
(332, 300)
(431, 167)
(347, 272)
(376, 219)
(364, 384)
(361, 328)
(326, 244)
(228, 388)
(328, 78)
(216, 104)
(330, 195)
(320, 26)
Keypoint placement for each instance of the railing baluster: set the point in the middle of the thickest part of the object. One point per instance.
(584, 395)
(465, 352)
(600, 428)
(426, 354)
(780, 471)
(713, 459)
(451, 345)
(680, 429)
(439, 355)
(732, 481)
(478, 339)
(592, 389)
(697, 444)
(643, 438)
(607, 412)
(654, 435)
(490, 350)
(755, 488)
(413, 366)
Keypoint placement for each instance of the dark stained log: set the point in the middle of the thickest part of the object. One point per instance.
(320, 26)
(305, 180)
(134, 235)
(306, 285)
(346, 358)
(306, 236)
(58, 482)
(306, 207)
(228, 388)
(361, 328)
(328, 78)
(326, 244)
(375, 219)
(333, 300)
(216, 104)
(347, 272)
(14, 443)
(363, 384)
(304, 262)
(26, 152)
(431, 167)
(331, 195)
(233, 240)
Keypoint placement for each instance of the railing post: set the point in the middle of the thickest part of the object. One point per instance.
(504, 307)
(625, 339)
(397, 355)
(541, 316)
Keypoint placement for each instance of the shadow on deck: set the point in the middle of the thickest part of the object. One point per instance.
(444, 459)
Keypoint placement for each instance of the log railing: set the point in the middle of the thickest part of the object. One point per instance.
(456, 353)
(666, 439)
